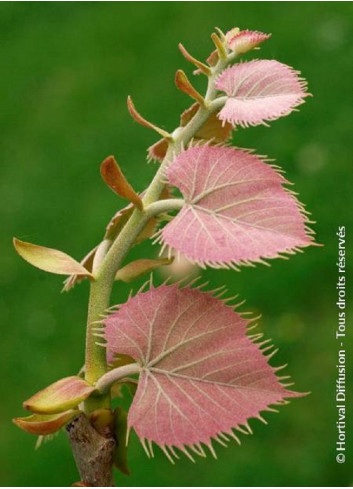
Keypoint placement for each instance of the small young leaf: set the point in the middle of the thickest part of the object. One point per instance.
(39, 424)
(115, 179)
(231, 34)
(144, 122)
(242, 41)
(220, 46)
(64, 394)
(158, 150)
(201, 66)
(118, 221)
(213, 58)
(49, 260)
(201, 375)
(138, 268)
(120, 454)
(236, 209)
(183, 83)
(260, 91)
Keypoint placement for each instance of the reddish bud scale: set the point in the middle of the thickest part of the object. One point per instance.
(41, 425)
(115, 179)
(64, 394)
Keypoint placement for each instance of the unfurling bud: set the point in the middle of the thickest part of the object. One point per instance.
(221, 50)
(243, 41)
(102, 421)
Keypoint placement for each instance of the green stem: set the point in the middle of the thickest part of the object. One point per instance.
(102, 286)
(110, 261)
(119, 373)
(95, 361)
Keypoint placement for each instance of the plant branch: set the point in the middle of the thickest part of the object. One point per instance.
(105, 272)
(93, 453)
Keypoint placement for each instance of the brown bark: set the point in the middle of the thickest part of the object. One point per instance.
(92, 452)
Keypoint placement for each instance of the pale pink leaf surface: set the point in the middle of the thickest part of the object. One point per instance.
(236, 209)
(201, 375)
(243, 41)
(259, 91)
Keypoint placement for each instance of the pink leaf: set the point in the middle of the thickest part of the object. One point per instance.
(236, 209)
(243, 41)
(260, 91)
(201, 375)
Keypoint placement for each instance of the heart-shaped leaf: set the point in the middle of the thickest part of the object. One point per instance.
(236, 209)
(64, 394)
(49, 260)
(201, 375)
(44, 424)
(260, 91)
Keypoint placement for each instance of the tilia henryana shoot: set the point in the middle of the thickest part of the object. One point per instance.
(197, 373)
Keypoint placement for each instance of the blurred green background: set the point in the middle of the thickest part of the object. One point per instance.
(67, 69)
